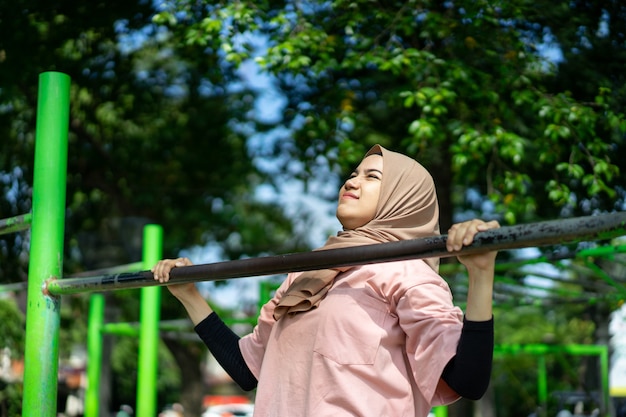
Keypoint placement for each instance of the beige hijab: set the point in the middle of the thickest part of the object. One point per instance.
(407, 209)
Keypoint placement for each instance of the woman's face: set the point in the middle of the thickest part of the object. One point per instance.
(358, 197)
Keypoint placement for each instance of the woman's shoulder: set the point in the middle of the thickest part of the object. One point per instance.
(392, 282)
(415, 271)
(393, 279)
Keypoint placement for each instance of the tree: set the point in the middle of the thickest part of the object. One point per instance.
(462, 86)
(157, 134)
(152, 133)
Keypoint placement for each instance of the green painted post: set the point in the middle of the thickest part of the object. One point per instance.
(149, 327)
(41, 353)
(542, 384)
(440, 411)
(94, 354)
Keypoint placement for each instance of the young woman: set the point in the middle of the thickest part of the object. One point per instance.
(373, 340)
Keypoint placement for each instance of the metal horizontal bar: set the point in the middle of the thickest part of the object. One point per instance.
(132, 328)
(16, 286)
(552, 232)
(117, 269)
(15, 224)
(542, 349)
(23, 286)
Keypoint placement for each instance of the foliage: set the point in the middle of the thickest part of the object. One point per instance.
(515, 376)
(12, 324)
(152, 133)
(461, 85)
(530, 325)
(10, 399)
(124, 358)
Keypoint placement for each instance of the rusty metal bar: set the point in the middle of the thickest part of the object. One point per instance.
(22, 286)
(552, 232)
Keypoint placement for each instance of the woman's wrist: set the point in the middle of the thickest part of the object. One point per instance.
(197, 307)
(480, 296)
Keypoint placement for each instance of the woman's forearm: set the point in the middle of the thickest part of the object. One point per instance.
(197, 307)
(480, 295)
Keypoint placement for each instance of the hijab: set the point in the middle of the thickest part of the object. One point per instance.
(407, 209)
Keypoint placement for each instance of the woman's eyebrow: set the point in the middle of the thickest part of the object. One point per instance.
(367, 171)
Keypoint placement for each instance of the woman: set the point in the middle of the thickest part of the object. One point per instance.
(373, 340)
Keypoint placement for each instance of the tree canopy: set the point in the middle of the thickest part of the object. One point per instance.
(466, 87)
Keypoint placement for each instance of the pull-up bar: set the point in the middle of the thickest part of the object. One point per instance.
(572, 230)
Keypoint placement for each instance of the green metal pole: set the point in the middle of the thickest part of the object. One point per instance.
(41, 353)
(18, 286)
(94, 354)
(266, 291)
(542, 384)
(440, 411)
(121, 329)
(149, 327)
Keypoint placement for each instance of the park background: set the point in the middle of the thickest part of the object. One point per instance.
(231, 124)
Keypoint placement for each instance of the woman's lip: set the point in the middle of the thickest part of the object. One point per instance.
(349, 195)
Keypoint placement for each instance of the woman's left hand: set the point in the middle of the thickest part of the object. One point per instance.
(462, 234)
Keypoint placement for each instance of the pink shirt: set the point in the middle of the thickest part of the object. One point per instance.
(376, 346)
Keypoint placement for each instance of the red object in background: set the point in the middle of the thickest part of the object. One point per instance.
(210, 400)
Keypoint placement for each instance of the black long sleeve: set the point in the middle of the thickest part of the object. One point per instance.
(224, 345)
(468, 373)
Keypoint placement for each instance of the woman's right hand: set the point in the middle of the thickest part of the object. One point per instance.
(187, 293)
(162, 271)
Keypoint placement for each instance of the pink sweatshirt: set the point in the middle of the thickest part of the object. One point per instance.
(375, 347)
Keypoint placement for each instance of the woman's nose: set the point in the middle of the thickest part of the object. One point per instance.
(352, 183)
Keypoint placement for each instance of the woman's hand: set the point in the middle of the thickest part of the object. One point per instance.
(162, 271)
(163, 268)
(462, 234)
(187, 293)
(480, 268)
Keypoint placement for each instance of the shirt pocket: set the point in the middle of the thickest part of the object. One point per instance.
(350, 327)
